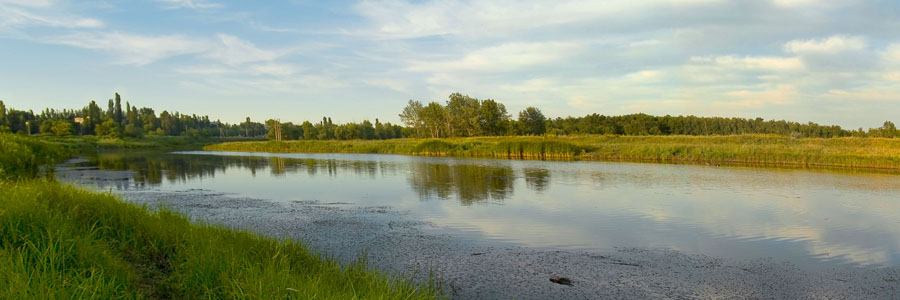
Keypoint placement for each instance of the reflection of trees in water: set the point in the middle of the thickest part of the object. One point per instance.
(332, 167)
(470, 183)
(537, 179)
(152, 168)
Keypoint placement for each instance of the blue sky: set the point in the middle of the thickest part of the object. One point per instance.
(834, 62)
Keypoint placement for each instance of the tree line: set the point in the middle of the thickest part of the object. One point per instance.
(464, 116)
(460, 116)
(326, 130)
(117, 121)
(643, 124)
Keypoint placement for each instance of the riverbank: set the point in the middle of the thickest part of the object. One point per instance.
(91, 143)
(866, 153)
(60, 241)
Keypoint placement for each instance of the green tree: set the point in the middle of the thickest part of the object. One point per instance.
(132, 115)
(3, 120)
(888, 130)
(118, 115)
(92, 117)
(45, 127)
(493, 119)
(434, 119)
(62, 127)
(462, 115)
(132, 130)
(325, 129)
(366, 130)
(412, 117)
(148, 119)
(111, 109)
(532, 121)
(108, 129)
(168, 123)
(309, 131)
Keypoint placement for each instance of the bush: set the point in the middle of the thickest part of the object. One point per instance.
(22, 157)
(62, 128)
(133, 131)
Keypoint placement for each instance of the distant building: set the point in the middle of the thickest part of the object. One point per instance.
(79, 120)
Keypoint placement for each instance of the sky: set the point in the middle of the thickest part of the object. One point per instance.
(830, 62)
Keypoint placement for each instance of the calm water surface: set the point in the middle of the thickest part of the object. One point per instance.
(810, 218)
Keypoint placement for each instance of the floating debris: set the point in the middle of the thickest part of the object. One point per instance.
(561, 280)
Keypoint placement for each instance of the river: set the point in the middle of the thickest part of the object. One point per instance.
(811, 219)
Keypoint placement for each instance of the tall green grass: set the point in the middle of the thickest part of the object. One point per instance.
(58, 241)
(22, 156)
(90, 142)
(878, 153)
(396, 146)
(881, 153)
(510, 147)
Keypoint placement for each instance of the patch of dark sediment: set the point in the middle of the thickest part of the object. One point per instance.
(395, 242)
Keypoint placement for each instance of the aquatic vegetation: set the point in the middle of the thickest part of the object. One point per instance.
(853, 152)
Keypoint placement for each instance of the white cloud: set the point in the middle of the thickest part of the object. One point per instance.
(892, 76)
(264, 27)
(779, 95)
(273, 69)
(644, 77)
(645, 43)
(294, 84)
(233, 50)
(15, 17)
(751, 62)
(194, 4)
(404, 19)
(891, 54)
(833, 44)
(391, 84)
(734, 70)
(481, 18)
(133, 49)
(206, 70)
(30, 3)
(503, 58)
(793, 3)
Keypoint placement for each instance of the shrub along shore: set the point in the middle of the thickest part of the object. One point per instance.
(847, 152)
(63, 242)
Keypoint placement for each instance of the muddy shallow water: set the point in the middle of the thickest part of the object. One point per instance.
(501, 229)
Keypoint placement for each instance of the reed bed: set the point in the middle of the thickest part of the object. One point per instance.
(848, 152)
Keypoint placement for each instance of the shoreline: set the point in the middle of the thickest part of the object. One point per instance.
(865, 154)
(395, 243)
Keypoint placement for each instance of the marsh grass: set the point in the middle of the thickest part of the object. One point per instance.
(849, 152)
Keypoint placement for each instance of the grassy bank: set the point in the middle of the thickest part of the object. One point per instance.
(848, 152)
(62, 242)
(59, 241)
(23, 156)
(90, 142)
